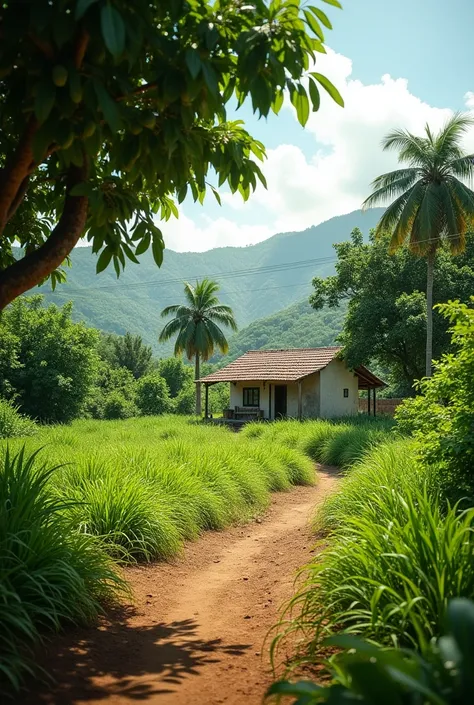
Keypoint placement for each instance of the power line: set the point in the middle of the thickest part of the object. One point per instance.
(269, 269)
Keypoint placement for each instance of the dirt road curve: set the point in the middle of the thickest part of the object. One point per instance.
(196, 631)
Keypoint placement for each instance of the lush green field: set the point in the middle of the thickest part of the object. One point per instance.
(101, 493)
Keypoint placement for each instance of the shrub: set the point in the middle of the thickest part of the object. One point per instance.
(117, 406)
(152, 396)
(442, 418)
(186, 401)
(13, 423)
(49, 573)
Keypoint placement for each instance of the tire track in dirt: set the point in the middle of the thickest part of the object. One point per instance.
(197, 628)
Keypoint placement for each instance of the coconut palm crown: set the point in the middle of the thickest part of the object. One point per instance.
(196, 326)
(431, 199)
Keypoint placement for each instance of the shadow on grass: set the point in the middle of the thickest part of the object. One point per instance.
(120, 658)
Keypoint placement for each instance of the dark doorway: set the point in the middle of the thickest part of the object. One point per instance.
(280, 400)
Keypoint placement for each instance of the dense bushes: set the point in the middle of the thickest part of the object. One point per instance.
(49, 571)
(441, 419)
(13, 423)
(48, 362)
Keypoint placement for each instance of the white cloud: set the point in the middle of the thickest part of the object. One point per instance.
(184, 234)
(306, 189)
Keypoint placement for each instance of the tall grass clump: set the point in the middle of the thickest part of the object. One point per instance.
(364, 487)
(389, 577)
(13, 423)
(392, 559)
(49, 573)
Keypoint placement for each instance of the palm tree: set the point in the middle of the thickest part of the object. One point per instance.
(433, 205)
(195, 324)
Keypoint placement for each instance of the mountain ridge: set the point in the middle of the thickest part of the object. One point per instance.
(256, 281)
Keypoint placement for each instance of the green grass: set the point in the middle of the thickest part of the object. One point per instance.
(49, 572)
(133, 490)
(146, 485)
(393, 558)
(340, 442)
(13, 423)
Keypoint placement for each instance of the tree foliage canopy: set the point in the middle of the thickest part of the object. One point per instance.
(386, 319)
(132, 353)
(109, 110)
(53, 362)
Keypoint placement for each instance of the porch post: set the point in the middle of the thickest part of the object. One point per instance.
(368, 400)
(300, 400)
(206, 405)
(375, 401)
(269, 400)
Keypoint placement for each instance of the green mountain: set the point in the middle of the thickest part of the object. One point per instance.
(257, 280)
(297, 326)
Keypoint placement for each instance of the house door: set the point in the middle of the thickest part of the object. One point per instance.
(280, 400)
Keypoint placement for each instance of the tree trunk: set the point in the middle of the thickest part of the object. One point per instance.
(197, 374)
(429, 311)
(31, 270)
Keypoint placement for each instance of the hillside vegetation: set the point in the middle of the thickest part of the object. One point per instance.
(297, 326)
(263, 279)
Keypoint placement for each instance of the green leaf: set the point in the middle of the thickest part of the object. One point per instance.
(277, 102)
(329, 87)
(334, 3)
(322, 17)
(314, 95)
(113, 30)
(82, 189)
(301, 103)
(44, 101)
(157, 250)
(104, 260)
(210, 78)
(129, 253)
(82, 7)
(108, 107)
(193, 62)
(143, 245)
(314, 24)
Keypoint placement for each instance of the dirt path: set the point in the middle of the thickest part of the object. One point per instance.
(196, 630)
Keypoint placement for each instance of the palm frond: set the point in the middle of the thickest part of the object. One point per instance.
(427, 228)
(463, 167)
(447, 142)
(455, 222)
(404, 221)
(171, 328)
(217, 336)
(387, 187)
(222, 314)
(411, 149)
(390, 218)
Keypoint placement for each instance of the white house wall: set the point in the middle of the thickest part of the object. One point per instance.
(333, 380)
(236, 395)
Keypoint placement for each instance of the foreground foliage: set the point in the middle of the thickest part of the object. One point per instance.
(369, 675)
(50, 573)
(13, 423)
(110, 110)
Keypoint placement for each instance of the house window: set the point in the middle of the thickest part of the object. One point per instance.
(346, 393)
(251, 396)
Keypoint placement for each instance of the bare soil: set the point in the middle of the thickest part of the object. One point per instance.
(196, 631)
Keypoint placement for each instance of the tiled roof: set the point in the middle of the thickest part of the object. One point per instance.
(275, 365)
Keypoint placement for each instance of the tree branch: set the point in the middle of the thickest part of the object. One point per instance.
(17, 168)
(32, 269)
(81, 47)
(20, 195)
(137, 91)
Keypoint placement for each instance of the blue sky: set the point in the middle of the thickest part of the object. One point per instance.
(397, 64)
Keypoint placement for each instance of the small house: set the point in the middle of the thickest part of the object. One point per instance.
(296, 383)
